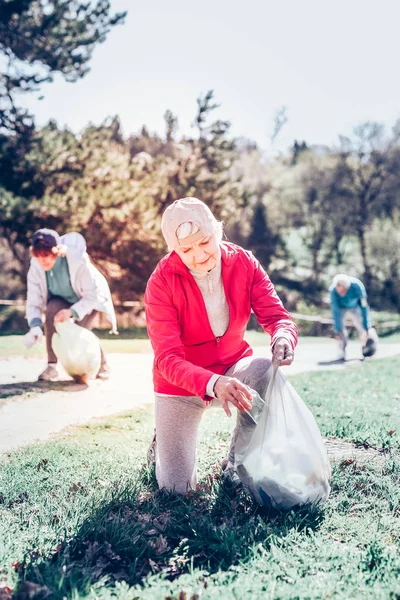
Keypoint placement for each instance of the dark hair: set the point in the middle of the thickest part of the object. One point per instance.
(42, 251)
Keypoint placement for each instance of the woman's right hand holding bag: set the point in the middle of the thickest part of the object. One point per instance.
(230, 390)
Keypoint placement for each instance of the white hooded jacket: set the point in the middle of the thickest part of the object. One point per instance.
(87, 282)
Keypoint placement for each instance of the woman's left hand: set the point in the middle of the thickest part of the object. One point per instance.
(63, 315)
(282, 352)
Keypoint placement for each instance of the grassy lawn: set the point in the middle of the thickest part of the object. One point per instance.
(129, 342)
(80, 517)
(12, 345)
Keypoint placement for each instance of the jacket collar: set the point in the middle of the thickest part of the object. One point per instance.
(174, 264)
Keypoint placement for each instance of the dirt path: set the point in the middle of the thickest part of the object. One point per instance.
(31, 410)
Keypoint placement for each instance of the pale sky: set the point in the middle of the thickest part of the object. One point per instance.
(333, 64)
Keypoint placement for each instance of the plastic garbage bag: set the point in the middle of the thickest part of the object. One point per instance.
(284, 463)
(77, 349)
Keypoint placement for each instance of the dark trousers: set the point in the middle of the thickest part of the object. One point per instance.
(53, 306)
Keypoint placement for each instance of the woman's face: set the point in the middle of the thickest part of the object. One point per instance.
(201, 255)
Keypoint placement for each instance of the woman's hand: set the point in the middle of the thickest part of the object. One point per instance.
(63, 315)
(230, 389)
(282, 352)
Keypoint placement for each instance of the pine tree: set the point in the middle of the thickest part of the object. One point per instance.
(41, 37)
(262, 241)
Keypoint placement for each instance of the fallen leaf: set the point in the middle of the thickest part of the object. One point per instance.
(159, 545)
(76, 487)
(162, 520)
(42, 464)
(104, 483)
(144, 517)
(32, 591)
(5, 592)
(154, 565)
(144, 497)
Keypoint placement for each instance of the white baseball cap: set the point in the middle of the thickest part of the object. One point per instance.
(187, 210)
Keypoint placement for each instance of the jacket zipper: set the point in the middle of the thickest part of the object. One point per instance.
(200, 295)
(210, 283)
(218, 338)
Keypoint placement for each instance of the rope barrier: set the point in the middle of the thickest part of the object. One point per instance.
(20, 304)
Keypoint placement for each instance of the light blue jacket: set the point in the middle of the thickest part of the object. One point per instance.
(355, 297)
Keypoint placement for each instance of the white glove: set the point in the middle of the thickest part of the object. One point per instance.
(34, 335)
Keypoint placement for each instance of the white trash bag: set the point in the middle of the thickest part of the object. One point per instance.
(285, 464)
(77, 349)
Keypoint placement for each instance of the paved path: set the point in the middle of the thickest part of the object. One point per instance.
(32, 410)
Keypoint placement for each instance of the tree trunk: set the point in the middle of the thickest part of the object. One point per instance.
(361, 229)
(363, 250)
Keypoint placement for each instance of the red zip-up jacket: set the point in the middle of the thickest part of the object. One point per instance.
(186, 352)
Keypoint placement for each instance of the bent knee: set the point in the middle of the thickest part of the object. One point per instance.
(53, 307)
(259, 374)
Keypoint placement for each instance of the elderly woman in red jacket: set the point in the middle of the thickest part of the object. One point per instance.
(198, 302)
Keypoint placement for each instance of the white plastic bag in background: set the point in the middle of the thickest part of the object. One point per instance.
(77, 349)
(285, 464)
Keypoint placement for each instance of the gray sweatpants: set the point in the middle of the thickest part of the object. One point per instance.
(356, 317)
(177, 424)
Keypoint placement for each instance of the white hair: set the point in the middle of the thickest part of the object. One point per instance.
(189, 228)
(342, 279)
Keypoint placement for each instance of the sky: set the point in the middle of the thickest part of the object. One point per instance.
(333, 65)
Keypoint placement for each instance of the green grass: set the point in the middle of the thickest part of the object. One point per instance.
(12, 345)
(80, 517)
(362, 404)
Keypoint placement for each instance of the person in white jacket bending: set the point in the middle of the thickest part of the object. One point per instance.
(64, 284)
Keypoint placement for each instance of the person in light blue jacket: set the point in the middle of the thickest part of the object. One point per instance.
(349, 300)
(63, 283)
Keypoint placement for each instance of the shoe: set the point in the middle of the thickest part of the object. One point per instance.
(151, 452)
(49, 373)
(370, 348)
(229, 474)
(231, 478)
(104, 372)
(341, 355)
(223, 463)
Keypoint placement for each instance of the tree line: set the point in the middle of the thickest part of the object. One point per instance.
(306, 213)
